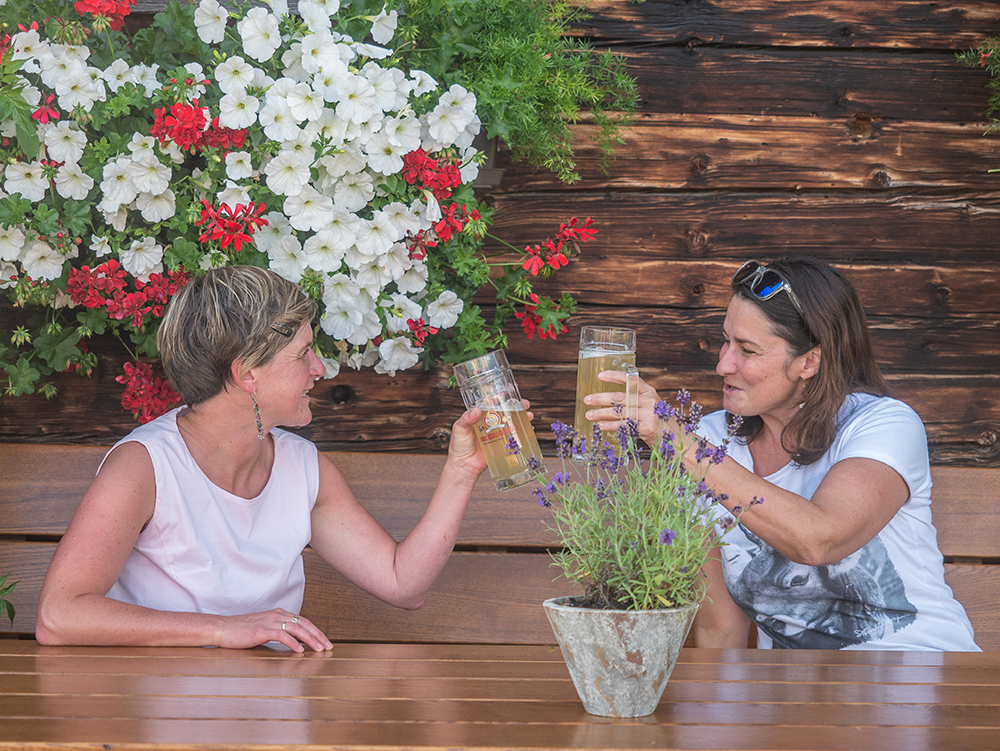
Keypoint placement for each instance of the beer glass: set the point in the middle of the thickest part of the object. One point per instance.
(605, 349)
(504, 430)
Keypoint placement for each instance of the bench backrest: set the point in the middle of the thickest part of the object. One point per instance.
(491, 590)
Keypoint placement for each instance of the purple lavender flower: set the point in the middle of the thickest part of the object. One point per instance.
(667, 537)
(683, 397)
(542, 500)
(663, 410)
(512, 445)
(534, 463)
(562, 478)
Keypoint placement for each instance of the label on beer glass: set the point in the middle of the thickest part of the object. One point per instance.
(498, 431)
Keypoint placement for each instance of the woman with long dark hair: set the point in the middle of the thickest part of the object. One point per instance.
(842, 553)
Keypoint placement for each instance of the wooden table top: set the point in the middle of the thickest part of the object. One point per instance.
(439, 696)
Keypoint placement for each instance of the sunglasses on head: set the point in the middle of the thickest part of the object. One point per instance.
(764, 283)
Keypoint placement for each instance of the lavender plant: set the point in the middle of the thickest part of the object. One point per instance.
(636, 526)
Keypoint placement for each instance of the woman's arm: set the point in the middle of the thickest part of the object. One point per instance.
(355, 544)
(73, 607)
(720, 623)
(852, 504)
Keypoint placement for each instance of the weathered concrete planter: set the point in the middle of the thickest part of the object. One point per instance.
(619, 660)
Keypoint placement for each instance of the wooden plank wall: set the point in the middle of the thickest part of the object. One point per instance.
(839, 128)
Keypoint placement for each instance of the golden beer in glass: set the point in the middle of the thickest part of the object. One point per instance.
(504, 430)
(604, 349)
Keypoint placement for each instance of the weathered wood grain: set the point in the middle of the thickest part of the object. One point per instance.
(666, 151)
(956, 228)
(893, 24)
(709, 79)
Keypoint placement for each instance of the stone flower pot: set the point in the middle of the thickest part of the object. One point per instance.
(619, 660)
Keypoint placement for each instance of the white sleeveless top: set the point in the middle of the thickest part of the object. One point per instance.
(208, 551)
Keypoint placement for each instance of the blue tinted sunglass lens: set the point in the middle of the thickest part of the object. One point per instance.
(768, 285)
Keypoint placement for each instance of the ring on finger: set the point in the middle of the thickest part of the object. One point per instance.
(295, 619)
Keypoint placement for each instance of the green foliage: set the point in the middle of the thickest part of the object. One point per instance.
(531, 81)
(987, 55)
(6, 606)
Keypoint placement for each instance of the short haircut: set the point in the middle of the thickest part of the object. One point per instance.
(228, 314)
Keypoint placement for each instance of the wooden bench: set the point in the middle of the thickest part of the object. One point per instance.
(491, 591)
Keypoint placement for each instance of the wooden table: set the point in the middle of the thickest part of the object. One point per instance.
(419, 696)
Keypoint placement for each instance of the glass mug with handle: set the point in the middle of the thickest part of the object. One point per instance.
(605, 349)
(503, 429)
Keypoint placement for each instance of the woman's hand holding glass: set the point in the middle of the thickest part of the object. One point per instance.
(606, 408)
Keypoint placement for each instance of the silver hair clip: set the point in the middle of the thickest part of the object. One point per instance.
(282, 329)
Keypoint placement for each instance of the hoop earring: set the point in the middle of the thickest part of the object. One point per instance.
(256, 415)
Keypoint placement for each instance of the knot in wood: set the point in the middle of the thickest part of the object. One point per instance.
(696, 241)
(440, 438)
(859, 125)
(704, 344)
(699, 163)
(698, 289)
(342, 394)
(987, 438)
(881, 179)
(942, 292)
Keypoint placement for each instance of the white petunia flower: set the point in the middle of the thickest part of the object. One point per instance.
(233, 194)
(142, 258)
(422, 82)
(259, 32)
(470, 167)
(397, 261)
(354, 192)
(288, 173)
(100, 245)
(373, 274)
(340, 291)
(11, 243)
(341, 321)
(55, 67)
(42, 262)
(27, 179)
(468, 136)
(118, 74)
(76, 89)
(302, 144)
(443, 313)
(401, 216)
(278, 7)
(397, 354)
(238, 165)
(117, 184)
(8, 274)
(319, 53)
(370, 327)
(278, 121)
(371, 50)
(145, 76)
(141, 146)
(445, 124)
(315, 16)
(238, 110)
(114, 214)
(156, 208)
(65, 143)
(291, 59)
(309, 209)
(72, 182)
(459, 96)
(304, 103)
(323, 252)
(384, 26)
(210, 20)
(235, 74)
(277, 227)
(287, 259)
(346, 162)
(403, 131)
(357, 99)
(399, 310)
(343, 227)
(331, 367)
(28, 45)
(384, 156)
(414, 281)
(149, 175)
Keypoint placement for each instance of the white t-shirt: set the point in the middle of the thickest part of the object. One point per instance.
(208, 551)
(891, 594)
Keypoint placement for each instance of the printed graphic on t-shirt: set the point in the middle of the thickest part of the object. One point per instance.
(856, 600)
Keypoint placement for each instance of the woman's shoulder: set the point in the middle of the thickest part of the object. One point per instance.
(867, 408)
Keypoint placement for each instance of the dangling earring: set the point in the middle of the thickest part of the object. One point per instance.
(256, 414)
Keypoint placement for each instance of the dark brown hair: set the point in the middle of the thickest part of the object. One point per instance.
(835, 320)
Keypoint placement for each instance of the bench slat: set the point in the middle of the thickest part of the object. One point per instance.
(395, 488)
(479, 598)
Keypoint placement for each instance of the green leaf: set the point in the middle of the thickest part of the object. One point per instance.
(57, 347)
(92, 321)
(21, 377)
